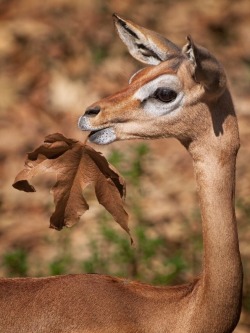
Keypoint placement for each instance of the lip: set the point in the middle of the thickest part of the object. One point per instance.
(102, 136)
(94, 133)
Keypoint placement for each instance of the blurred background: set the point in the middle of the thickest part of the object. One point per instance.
(56, 58)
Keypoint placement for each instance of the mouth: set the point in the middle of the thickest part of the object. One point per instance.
(102, 136)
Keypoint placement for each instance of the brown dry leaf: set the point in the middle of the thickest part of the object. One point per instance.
(76, 166)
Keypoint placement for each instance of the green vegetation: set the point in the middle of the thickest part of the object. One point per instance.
(113, 255)
(15, 262)
(154, 258)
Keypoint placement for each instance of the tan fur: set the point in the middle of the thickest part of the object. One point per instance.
(207, 126)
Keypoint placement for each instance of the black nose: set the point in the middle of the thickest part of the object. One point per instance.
(92, 111)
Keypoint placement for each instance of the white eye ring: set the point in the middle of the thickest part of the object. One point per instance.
(166, 80)
(155, 107)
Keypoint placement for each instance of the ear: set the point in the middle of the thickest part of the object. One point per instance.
(207, 69)
(145, 45)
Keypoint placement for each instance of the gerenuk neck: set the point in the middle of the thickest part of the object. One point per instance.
(221, 280)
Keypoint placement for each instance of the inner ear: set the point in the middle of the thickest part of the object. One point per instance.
(207, 69)
(144, 45)
(147, 52)
(189, 50)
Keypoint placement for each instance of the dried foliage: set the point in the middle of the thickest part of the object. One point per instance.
(76, 165)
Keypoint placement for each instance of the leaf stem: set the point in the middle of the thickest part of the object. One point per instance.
(85, 139)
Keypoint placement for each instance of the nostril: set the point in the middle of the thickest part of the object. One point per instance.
(92, 111)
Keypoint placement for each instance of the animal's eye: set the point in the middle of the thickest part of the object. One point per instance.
(165, 95)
